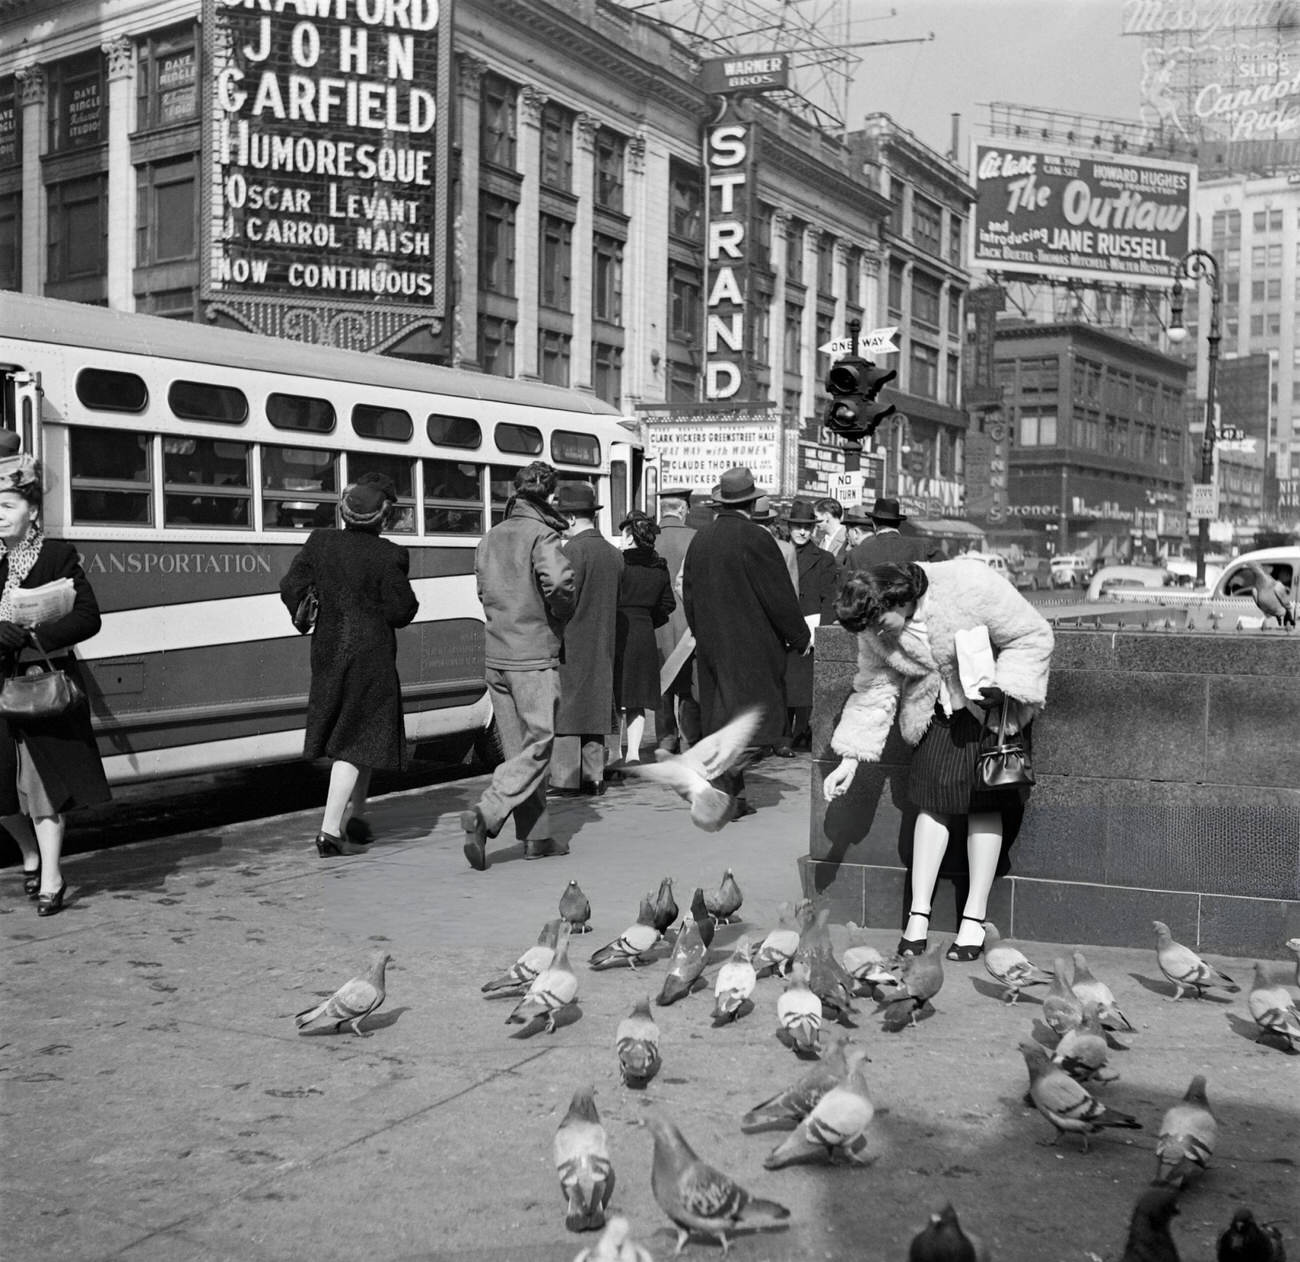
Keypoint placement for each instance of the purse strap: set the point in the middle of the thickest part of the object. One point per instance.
(1001, 723)
(40, 648)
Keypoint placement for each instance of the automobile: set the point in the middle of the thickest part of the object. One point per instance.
(1070, 571)
(1032, 572)
(1184, 571)
(1110, 581)
(1283, 564)
(995, 562)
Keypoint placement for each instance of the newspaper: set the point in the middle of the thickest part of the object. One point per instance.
(35, 605)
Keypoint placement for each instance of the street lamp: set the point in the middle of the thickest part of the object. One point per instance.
(1198, 265)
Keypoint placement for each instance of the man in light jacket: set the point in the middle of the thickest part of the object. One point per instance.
(525, 584)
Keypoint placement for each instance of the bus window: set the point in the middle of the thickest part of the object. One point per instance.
(300, 488)
(617, 490)
(453, 498)
(391, 424)
(501, 486)
(523, 439)
(570, 448)
(294, 411)
(402, 472)
(109, 472)
(107, 391)
(206, 483)
(454, 431)
(200, 401)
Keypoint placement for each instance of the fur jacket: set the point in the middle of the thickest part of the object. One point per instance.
(905, 678)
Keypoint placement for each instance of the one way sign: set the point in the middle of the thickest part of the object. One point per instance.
(877, 342)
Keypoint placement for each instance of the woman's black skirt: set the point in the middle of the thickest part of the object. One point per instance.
(941, 779)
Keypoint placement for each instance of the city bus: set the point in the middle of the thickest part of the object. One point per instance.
(189, 463)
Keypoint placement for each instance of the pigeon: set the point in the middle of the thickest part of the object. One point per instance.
(1271, 597)
(688, 774)
(699, 1198)
(945, 1240)
(1293, 945)
(615, 1245)
(1273, 1010)
(1086, 986)
(1009, 965)
(1187, 1137)
(537, 959)
(1083, 1051)
(1182, 966)
(866, 966)
(575, 908)
(665, 906)
(631, 946)
(1061, 1008)
(1148, 1234)
(1065, 1103)
(637, 1041)
(920, 979)
(724, 902)
(582, 1161)
(837, 1125)
(684, 965)
(704, 921)
(777, 949)
(787, 1110)
(352, 1002)
(826, 975)
(734, 984)
(1245, 1240)
(554, 988)
(800, 1012)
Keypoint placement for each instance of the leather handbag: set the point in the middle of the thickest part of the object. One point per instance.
(304, 617)
(1003, 760)
(39, 694)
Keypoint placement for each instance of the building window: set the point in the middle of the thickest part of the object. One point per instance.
(607, 279)
(11, 241)
(1267, 221)
(956, 239)
(496, 346)
(1037, 429)
(167, 79)
(1225, 226)
(553, 356)
(823, 333)
(557, 263)
(793, 339)
(496, 244)
(610, 148)
(954, 313)
(895, 219)
(498, 127)
(78, 229)
(794, 231)
(1265, 256)
(762, 328)
(166, 212)
(924, 375)
(896, 269)
(11, 124)
(685, 203)
(557, 147)
(685, 298)
(1040, 376)
(607, 373)
(77, 102)
(853, 278)
(953, 380)
(683, 382)
(825, 264)
(927, 224)
(760, 247)
(926, 292)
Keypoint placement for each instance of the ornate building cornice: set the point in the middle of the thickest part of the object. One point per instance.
(31, 84)
(121, 57)
(532, 100)
(585, 127)
(469, 74)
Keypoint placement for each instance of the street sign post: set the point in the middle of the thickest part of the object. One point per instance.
(877, 342)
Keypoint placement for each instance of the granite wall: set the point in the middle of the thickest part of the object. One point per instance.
(1168, 788)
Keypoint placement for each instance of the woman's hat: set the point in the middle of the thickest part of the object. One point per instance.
(364, 504)
(575, 497)
(886, 511)
(801, 514)
(737, 487)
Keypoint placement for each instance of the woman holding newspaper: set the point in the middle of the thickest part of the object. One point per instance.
(48, 765)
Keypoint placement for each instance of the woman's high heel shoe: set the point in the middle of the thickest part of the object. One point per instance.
(32, 881)
(51, 904)
(965, 954)
(327, 846)
(914, 946)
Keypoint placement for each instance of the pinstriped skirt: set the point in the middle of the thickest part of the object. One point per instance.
(941, 778)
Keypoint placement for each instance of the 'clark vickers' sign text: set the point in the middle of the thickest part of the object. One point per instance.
(695, 447)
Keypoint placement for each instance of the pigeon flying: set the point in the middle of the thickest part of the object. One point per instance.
(688, 774)
(665, 905)
(537, 959)
(1271, 597)
(615, 1245)
(1065, 1103)
(1009, 965)
(734, 984)
(684, 965)
(631, 946)
(699, 1198)
(1273, 1010)
(352, 1002)
(637, 1041)
(800, 1012)
(551, 990)
(1246, 1241)
(1187, 1137)
(1182, 966)
(1086, 986)
(785, 1111)
(778, 948)
(836, 1126)
(1148, 1234)
(582, 1161)
(575, 908)
(724, 902)
(945, 1240)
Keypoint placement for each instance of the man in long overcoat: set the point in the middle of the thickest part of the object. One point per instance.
(677, 720)
(818, 582)
(745, 615)
(887, 546)
(586, 713)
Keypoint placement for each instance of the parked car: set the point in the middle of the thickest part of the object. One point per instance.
(1283, 564)
(1032, 572)
(1070, 571)
(1110, 581)
(995, 562)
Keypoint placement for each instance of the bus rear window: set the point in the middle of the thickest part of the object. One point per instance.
(454, 431)
(108, 391)
(390, 424)
(199, 401)
(570, 448)
(521, 439)
(295, 411)
(109, 472)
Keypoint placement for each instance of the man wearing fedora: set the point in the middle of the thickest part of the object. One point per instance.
(586, 712)
(745, 615)
(765, 515)
(677, 720)
(858, 528)
(887, 546)
(819, 580)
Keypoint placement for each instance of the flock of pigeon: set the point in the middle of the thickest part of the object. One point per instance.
(827, 1110)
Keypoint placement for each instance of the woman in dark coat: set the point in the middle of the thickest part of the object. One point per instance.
(354, 709)
(51, 766)
(645, 601)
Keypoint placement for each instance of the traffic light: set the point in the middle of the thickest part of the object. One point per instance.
(854, 385)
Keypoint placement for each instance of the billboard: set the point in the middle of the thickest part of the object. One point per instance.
(1072, 215)
(761, 72)
(327, 149)
(696, 446)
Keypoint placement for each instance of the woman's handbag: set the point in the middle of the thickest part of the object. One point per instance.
(304, 617)
(1004, 764)
(40, 694)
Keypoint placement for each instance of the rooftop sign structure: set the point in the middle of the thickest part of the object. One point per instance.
(762, 72)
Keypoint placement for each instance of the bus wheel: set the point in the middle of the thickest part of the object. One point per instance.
(487, 748)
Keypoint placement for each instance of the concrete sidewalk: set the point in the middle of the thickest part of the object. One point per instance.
(158, 1104)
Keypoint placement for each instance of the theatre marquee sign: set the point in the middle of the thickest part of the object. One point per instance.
(327, 151)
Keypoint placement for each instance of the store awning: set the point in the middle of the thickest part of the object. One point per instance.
(944, 526)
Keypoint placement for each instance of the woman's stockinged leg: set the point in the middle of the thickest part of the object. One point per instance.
(929, 841)
(356, 807)
(343, 781)
(19, 827)
(49, 837)
(983, 847)
(635, 731)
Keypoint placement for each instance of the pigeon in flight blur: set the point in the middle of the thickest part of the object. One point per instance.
(355, 1000)
(1271, 597)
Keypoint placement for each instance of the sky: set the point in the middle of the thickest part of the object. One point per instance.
(1057, 54)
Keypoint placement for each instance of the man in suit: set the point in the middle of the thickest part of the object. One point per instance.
(831, 535)
(677, 720)
(818, 582)
(858, 528)
(887, 546)
(586, 711)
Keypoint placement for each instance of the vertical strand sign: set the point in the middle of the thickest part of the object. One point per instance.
(327, 151)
